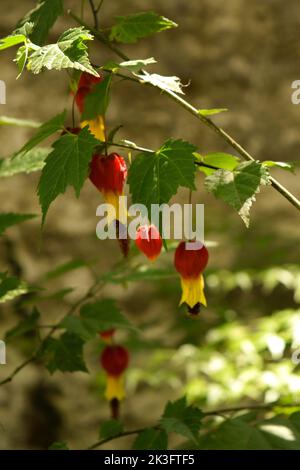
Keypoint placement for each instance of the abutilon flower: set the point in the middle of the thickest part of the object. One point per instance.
(108, 174)
(148, 240)
(85, 86)
(114, 360)
(107, 335)
(190, 263)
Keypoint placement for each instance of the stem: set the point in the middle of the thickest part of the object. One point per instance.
(194, 111)
(95, 15)
(108, 439)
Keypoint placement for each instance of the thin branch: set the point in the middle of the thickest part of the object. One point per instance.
(194, 111)
(108, 439)
(99, 6)
(95, 14)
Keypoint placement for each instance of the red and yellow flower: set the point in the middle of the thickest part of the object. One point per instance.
(107, 335)
(148, 241)
(108, 174)
(85, 86)
(190, 261)
(114, 360)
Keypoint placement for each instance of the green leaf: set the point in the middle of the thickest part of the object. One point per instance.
(211, 112)
(155, 178)
(94, 318)
(11, 287)
(182, 419)
(24, 326)
(131, 65)
(67, 164)
(128, 29)
(220, 160)
(9, 219)
(110, 429)
(151, 439)
(28, 162)
(64, 354)
(61, 445)
(70, 51)
(43, 17)
(11, 41)
(55, 124)
(65, 268)
(235, 434)
(10, 121)
(283, 165)
(172, 84)
(97, 101)
(238, 188)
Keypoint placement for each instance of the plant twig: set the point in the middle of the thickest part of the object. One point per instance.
(194, 111)
(95, 13)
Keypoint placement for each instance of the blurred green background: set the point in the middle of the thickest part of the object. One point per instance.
(236, 54)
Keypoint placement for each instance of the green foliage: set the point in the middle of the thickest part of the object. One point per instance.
(70, 51)
(151, 439)
(10, 121)
(167, 84)
(47, 129)
(128, 29)
(43, 17)
(97, 101)
(278, 433)
(67, 164)
(28, 162)
(219, 160)
(283, 165)
(9, 219)
(131, 65)
(64, 354)
(238, 187)
(94, 318)
(65, 268)
(211, 112)
(61, 445)
(11, 287)
(155, 178)
(12, 40)
(110, 429)
(24, 326)
(182, 419)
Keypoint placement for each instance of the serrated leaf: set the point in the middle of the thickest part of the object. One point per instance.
(9, 219)
(128, 29)
(182, 419)
(164, 83)
(151, 439)
(11, 41)
(43, 17)
(96, 317)
(48, 128)
(70, 51)
(155, 178)
(220, 160)
(283, 165)
(24, 326)
(212, 111)
(64, 354)
(131, 65)
(33, 160)
(67, 164)
(97, 101)
(10, 121)
(238, 188)
(111, 429)
(235, 434)
(11, 287)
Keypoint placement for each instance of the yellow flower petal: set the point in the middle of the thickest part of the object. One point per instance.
(118, 211)
(115, 388)
(193, 291)
(96, 127)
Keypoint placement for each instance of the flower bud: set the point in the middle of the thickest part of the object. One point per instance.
(148, 240)
(114, 360)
